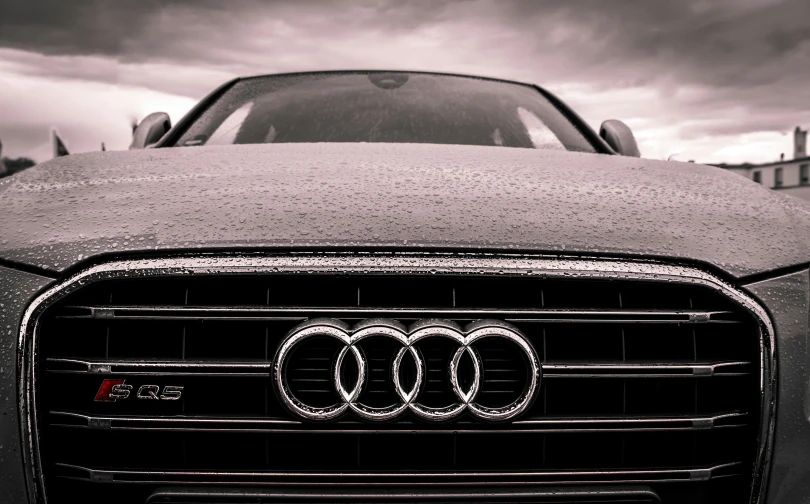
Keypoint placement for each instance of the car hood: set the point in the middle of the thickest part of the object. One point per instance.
(395, 196)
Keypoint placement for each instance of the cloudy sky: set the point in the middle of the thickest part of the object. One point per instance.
(710, 80)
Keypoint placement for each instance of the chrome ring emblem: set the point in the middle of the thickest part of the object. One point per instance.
(349, 399)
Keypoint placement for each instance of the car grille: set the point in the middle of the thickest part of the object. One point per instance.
(650, 391)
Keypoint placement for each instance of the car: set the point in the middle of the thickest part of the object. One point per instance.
(385, 286)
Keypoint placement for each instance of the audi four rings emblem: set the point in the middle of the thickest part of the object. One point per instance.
(349, 395)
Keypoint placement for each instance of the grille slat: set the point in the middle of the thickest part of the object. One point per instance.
(283, 313)
(641, 382)
(549, 424)
(262, 370)
(394, 479)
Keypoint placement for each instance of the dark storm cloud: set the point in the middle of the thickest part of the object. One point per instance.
(745, 54)
(75, 27)
(725, 43)
(126, 29)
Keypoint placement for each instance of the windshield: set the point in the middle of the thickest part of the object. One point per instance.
(393, 107)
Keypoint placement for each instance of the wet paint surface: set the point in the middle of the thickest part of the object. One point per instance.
(788, 298)
(17, 289)
(402, 196)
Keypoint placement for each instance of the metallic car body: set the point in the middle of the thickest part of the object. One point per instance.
(395, 197)
(17, 290)
(788, 300)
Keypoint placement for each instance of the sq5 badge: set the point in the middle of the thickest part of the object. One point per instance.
(112, 390)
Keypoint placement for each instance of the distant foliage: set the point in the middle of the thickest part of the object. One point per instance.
(15, 165)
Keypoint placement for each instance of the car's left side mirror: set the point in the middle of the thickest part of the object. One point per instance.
(150, 130)
(620, 138)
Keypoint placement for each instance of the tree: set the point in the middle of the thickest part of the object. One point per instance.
(19, 164)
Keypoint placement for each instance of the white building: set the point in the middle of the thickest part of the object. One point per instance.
(782, 174)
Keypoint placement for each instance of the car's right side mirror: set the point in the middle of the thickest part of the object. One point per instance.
(150, 130)
(620, 138)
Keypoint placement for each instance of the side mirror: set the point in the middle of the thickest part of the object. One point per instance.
(150, 130)
(619, 137)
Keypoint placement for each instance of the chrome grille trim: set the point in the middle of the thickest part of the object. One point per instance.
(300, 314)
(644, 370)
(466, 479)
(160, 368)
(263, 370)
(390, 263)
(545, 425)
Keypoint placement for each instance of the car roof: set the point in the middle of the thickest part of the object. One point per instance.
(364, 71)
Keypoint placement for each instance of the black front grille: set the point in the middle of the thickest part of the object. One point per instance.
(648, 388)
